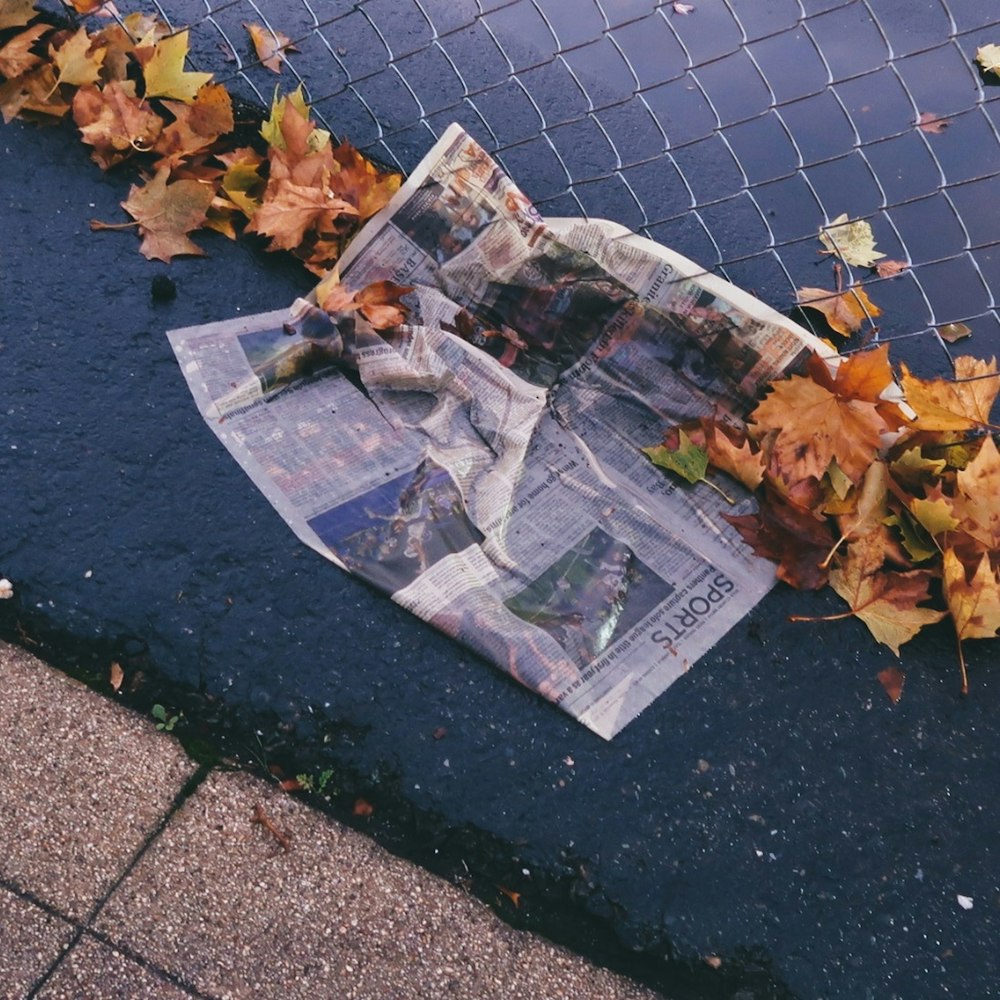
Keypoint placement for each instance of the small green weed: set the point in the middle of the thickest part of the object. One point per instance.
(164, 720)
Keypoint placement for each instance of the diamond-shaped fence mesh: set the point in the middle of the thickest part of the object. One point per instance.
(730, 134)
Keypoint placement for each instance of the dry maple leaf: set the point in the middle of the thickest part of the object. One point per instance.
(988, 56)
(16, 13)
(793, 538)
(270, 45)
(380, 302)
(741, 460)
(887, 602)
(974, 602)
(950, 332)
(844, 311)
(852, 241)
(289, 210)
(16, 56)
(196, 126)
(977, 502)
(360, 182)
(78, 62)
(166, 213)
(933, 124)
(814, 427)
(946, 405)
(164, 71)
(890, 268)
(115, 122)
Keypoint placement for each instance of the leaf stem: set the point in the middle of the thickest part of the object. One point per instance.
(97, 226)
(823, 618)
(961, 663)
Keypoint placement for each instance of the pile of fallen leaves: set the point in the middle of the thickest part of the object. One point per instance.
(890, 498)
(129, 92)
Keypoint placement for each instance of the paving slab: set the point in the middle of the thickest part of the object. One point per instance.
(92, 969)
(31, 940)
(83, 785)
(292, 904)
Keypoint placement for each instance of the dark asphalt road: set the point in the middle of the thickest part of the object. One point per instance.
(773, 809)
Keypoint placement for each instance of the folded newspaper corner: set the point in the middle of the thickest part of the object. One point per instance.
(481, 463)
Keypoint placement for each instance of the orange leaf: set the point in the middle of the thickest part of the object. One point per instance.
(845, 311)
(362, 807)
(116, 676)
(115, 122)
(815, 426)
(946, 405)
(514, 897)
(270, 45)
(290, 210)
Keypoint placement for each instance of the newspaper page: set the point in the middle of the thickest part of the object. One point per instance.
(480, 463)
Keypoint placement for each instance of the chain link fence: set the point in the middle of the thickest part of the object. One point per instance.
(730, 133)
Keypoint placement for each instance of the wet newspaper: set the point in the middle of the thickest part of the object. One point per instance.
(481, 463)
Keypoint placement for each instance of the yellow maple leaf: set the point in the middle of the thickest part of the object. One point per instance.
(974, 602)
(77, 64)
(164, 71)
(852, 241)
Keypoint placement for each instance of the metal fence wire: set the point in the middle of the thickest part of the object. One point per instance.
(730, 133)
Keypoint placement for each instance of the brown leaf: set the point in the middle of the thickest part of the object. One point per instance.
(166, 213)
(116, 676)
(270, 45)
(845, 311)
(380, 304)
(16, 13)
(290, 210)
(362, 807)
(885, 601)
(892, 679)
(890, 268)
(16, 56)
(197, 125)
(951, 332)
(973, 600)
(35, 91)
(931, 123)
(360, 182)
(115, 122)
(977, 502)
(739, 458)
(514, 897)
(795, 539)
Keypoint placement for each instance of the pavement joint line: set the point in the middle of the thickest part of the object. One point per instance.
(85, 926)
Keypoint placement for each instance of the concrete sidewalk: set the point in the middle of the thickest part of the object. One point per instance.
(126, 870)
